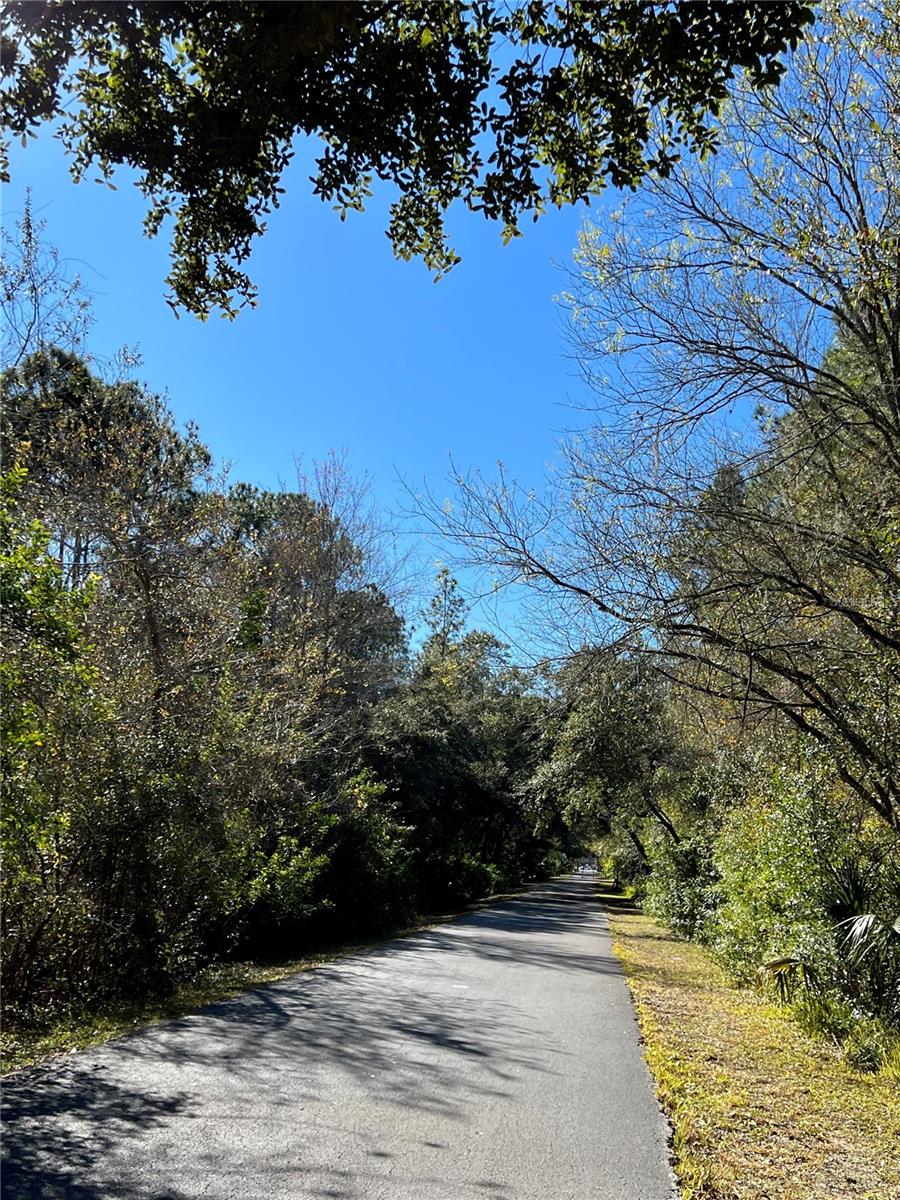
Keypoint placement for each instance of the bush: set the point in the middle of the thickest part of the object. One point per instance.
(555, 862)
(472, 877)
(369, 880)
(865, 903)
(681, 887)
(773, 887)
(867, 1043)
(623, 864)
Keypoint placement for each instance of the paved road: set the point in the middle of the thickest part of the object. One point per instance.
(492, 1058)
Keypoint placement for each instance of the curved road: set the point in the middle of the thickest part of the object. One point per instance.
(492, 1058)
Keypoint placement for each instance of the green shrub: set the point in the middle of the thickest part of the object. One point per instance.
(623, 864)
(866, 1042)
(555, 862)
(773, 888)
(870, 1044)
(681, 887)
(823, 1015)
(475, 877)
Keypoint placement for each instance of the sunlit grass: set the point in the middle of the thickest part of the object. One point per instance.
(759, 1110)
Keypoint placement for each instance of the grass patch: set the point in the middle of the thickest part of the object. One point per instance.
(759, 1110)
(26, 1047)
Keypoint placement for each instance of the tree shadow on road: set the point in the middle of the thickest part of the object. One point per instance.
(356, 1012)
(60, 1121)
(278, 1051)
(399, 1025)
(562, 907)
(393, 1040)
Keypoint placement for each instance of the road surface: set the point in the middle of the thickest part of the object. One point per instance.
(492, 1058)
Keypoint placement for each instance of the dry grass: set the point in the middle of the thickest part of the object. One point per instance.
(759, 1110)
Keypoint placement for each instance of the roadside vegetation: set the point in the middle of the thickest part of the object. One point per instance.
(222, 740)
(24, 1045)
(758, 1108)
(219, 744)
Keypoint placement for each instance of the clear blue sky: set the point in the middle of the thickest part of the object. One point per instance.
(348, 349)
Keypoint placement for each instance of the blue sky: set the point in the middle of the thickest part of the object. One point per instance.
(349, 349)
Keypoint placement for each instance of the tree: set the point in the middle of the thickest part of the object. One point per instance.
(212, 737)
(190, 671)
(455, 746)
(610, 748)
(755, 561)
(41, 305)
(445, 619)
(507, 108)
(48, 695)
(123, 493)
(318, 619)
(103, 459)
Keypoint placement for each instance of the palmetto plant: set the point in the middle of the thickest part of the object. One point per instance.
(871, 947)
(869, 933)
(788, 974)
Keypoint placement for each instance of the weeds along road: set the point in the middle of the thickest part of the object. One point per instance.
(494, 1057)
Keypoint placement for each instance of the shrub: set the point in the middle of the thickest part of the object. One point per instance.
(681, 887)
(867, 1042)
(475, 877)
(623, 864)
(773, 886)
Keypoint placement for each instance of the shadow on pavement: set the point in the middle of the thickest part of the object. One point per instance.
(59, 1121)
(394, 1023)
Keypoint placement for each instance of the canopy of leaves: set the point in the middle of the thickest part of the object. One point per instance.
(505, 107)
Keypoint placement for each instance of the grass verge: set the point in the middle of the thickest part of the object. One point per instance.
(26, 1047)
(759, 1110)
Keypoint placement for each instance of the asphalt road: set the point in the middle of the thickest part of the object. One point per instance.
(492, 1058)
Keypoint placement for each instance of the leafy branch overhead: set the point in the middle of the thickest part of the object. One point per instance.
(507, 108)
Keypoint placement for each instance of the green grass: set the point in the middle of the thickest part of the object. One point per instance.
(759, 1109)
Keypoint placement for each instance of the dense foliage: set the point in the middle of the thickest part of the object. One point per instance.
(216, 737)
(506, 107)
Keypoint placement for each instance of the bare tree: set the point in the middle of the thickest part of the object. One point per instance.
(42, 303)
(732, 509)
